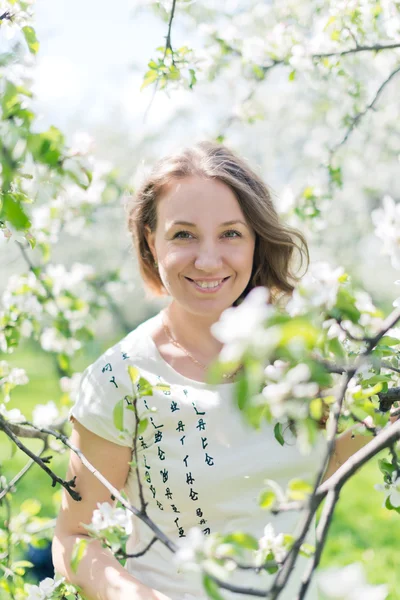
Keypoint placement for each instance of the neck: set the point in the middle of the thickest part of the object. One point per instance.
(193, 331)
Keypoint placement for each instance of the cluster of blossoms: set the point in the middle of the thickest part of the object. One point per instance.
(46, 589)
(242, 328)
(28, 298)
(10, 378)
(43, 415)
(317, 290)
(112, 523)
(70, 210)
(387, 226)
(218, 555)
(285, 385)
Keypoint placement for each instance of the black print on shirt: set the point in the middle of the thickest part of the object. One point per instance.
(112, 380)
(199, 512)
(181, 531)
(147, 477)
(157, 437)
(204, 442)
(142, 442)
(129, 400)
(185, 459)
(193, 495)
(197, 411)
(181, 426)
(200, 424)
(160, 506)
(189, 478)
(182, 438)
(161, 454)
(108, 367)
(207, 531)
(124, 356)
(209, 460)
(174, 407)
(164, 475)
(154, 425)
(153, 490)
(175, 509)
(168, 494)
(144, 459)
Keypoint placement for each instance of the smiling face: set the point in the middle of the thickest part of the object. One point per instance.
(202, 239)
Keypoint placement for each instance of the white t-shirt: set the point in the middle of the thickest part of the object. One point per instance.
(200, 463)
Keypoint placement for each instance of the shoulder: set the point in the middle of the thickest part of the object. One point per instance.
(110, 369)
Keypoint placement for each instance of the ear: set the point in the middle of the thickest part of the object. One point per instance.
(150, 235)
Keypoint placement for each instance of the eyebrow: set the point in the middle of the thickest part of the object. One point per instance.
(225, 224)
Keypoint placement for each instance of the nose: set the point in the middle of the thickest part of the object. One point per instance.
(208, 258)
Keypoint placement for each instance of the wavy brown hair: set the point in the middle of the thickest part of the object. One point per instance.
(275, 242)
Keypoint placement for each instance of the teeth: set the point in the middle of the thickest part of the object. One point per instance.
(208, 284)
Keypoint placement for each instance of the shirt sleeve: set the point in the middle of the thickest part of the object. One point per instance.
(105, 411)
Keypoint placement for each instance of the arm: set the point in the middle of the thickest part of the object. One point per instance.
(99, 575)
(346, 445)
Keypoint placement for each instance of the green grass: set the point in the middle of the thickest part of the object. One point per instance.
(361, 530)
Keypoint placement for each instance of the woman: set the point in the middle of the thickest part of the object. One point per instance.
(206, 233)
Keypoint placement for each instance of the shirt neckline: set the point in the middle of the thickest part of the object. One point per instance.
(153, 322)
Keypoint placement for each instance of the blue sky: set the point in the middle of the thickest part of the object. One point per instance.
(92, 57)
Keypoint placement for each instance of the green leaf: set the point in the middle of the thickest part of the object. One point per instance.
(211, 588)
(299, 489)
(142, 426)
(267, 499)
(31, 39)
(149, 78)
(31, 506)
(118, 415)
(163, 387)
(389, 341)
(134, 373)
(292, 75)
(278, 433)
(13, 212)
(145, 388)
(77, 553)
(385, 466)
(307, 550)
(241, 539)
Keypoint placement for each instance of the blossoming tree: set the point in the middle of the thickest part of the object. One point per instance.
(329, 355)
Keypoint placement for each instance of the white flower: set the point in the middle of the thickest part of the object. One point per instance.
(43, 415)
(348, 583)
(271, 543)
(391, 490)
(18, 377)
(240, 327)
(190, 550)
(387, 228)
(70, 385)
(317, 289)
(44, 590)
(14, 415)
(106, 516)
(52, 341)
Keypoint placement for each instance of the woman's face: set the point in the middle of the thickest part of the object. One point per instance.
(202, 239)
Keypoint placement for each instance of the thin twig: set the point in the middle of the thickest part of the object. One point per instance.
(68, 485)
(321, 535)
(168, 45)
(358, 116)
